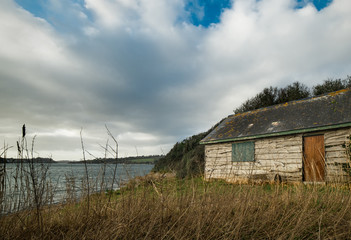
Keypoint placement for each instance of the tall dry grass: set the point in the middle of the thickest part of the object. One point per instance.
(195, 209)
(27, 190)
(25, 184)
(162, 208)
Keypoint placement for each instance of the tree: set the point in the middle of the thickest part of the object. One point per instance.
(265, 98)
(329, 85)
(271, 96)
(293, 92)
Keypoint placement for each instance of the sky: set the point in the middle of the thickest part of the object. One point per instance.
(153, 71)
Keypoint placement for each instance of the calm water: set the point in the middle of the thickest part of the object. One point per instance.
(63, 181)
(99, 175)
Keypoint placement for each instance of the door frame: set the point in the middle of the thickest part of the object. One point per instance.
(303, 157)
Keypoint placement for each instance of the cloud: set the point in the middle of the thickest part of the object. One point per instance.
(146, 71)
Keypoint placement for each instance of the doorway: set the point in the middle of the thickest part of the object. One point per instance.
(313, 158)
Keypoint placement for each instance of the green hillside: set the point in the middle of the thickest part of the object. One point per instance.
(186, 158)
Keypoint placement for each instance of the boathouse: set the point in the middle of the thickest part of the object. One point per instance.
(304, 140)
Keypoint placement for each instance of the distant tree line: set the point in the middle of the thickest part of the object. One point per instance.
(150, 159)
(187, 158)
(273, 95)
(26, 160)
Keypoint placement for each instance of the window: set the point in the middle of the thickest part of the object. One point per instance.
(243, 152)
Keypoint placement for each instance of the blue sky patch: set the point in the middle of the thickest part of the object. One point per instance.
(319, 4)
(206, 12)
(60, 14)
(37, 8)
(201, 12)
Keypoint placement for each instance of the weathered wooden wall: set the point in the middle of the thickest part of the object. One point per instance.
(278, 155)
(335, 155)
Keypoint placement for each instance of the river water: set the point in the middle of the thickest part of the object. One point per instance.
(58, 182)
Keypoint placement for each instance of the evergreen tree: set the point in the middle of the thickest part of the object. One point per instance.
(331, 85)
(271, 96)
(293, 92)
(265, 98)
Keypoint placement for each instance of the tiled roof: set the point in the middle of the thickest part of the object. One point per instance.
(327, 111)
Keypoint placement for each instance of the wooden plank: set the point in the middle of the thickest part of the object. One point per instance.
(286, 169)
(219, 157)
(340, 132)
(278, 145)
(217, 163)
(336, 140)
(278, 152)
(335, 166)
(314, 164)
(219, 152)
(335, 148)
(280, 139)
(216, 154)
(219, 148)
(219, 160)
(337, 174)
(336, 160)
(281, 171)
(293, 149)
(274, 164)
(242, 172)
(218, 145)
(227, 162)
(291, 156)
(233, 168)
(282, 166)
(336, 155)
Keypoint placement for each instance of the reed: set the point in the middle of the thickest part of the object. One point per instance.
(170, 208)
(195, 209)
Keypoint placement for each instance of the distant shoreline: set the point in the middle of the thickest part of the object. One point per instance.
(89, 162)
(128, 160)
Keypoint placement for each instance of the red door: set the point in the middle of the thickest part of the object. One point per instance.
(314, 159)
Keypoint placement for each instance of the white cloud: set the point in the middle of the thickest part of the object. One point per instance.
(122, 13)
(151, 77)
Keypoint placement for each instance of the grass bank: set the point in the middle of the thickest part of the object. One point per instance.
(170, 208)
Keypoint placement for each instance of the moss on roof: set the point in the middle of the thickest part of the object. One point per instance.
(327, 111)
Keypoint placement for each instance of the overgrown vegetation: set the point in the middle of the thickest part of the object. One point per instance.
(331, 85)
(347, 166)
(126, 160)
(29, 186)
(273, 95)
(195, 209)
(186, 158)
(176, 208)
(26, 184)
(154, 207)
